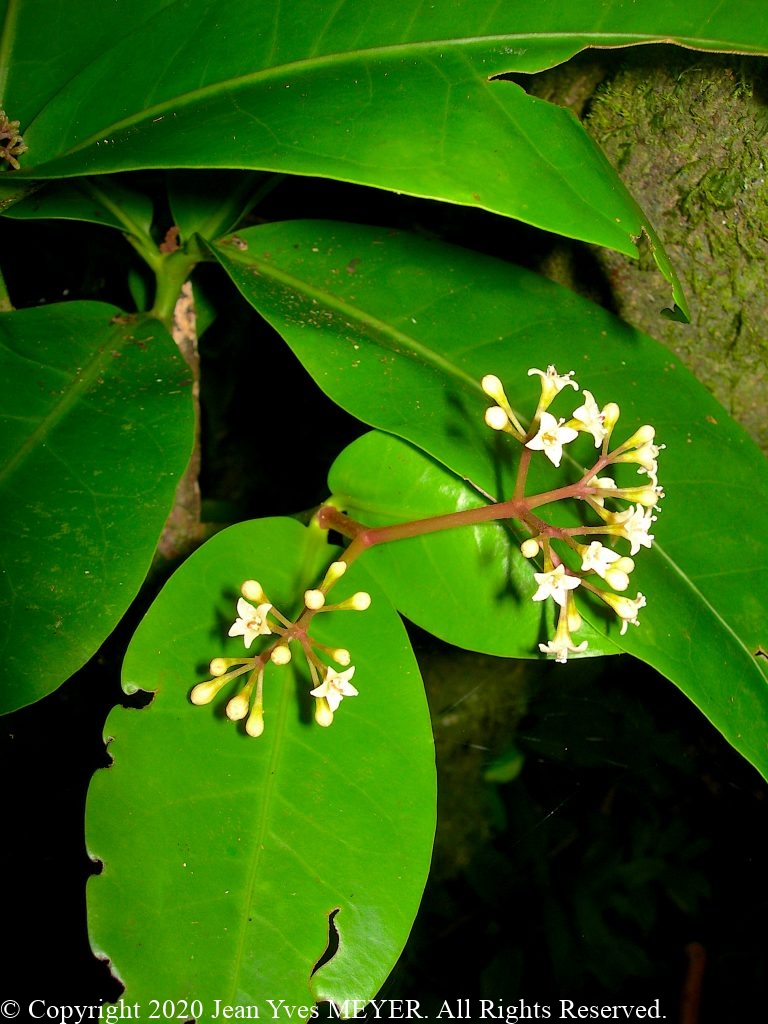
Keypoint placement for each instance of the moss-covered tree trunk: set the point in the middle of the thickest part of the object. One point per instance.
(688, 133)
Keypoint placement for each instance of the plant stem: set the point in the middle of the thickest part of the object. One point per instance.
(6, 306)
(173, 270)
(364, 537)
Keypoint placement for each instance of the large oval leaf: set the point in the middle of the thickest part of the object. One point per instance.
(226, 857)
(97, 425)
(395, 100)
(399, 331)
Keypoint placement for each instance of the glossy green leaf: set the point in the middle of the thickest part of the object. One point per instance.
(111, 201)
(45, 43)
(96, 423)
(225, 856)
(353, 302)
(210, 203)
(396, 99)
(399, 331)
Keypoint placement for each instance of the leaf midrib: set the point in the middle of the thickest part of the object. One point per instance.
(384, 52)
(79, 386)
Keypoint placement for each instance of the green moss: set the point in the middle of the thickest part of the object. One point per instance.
(688, 134)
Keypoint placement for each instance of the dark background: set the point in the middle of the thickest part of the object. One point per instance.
(628, 836)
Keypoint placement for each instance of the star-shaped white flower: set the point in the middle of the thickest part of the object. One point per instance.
(555, 584)
(608, 564)
(552, 382)
(562, 646)
(551, 437)
(635, 528)
(589, 418)
(597, 558)
(625, 608)
(251, 622)
(335, 687)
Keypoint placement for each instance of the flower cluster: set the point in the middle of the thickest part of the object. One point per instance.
(576, 557)
(11, 143)
(257, 617)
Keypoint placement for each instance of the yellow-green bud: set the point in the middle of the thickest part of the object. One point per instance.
(237, 708)
(496, 418)
(342, 656)
(314, 600)
(335, 571)
(281, 654)
(611, 414)
(255, 724)
(492, 386)
(204, 693)
(323, 714)
(252, 591)
(529, 548)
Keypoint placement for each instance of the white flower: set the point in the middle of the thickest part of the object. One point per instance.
(335, 687)
(608, 564)
(555, 584)
(597, 558)
(605, 483)
(561, 646)
(635, 528)
(625, 608)
(551, 437)
(251, 622)
(589, 419)
(641, 450)
(552, 383)
(646, 455)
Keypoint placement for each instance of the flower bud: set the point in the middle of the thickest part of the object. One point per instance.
(335, 571)
(572, 618)
(204, 693)
(616, 578)
(281, 654)
(529, 548)
(255, 724)
(496, 418)
(314, 600)
(611, 413)
(323, 714)
(251, 591)
(625, 608)
(493, 387)
(237, 707)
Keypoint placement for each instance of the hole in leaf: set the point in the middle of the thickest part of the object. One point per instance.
(333, 942)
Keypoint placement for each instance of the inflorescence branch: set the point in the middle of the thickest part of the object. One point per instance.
(571, 557)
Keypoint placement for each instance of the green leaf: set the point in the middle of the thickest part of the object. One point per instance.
(45, 43)
(396, 100)
(399, 331)
(111, 201)
(97, 427)
(225, 856)
(210, 203)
